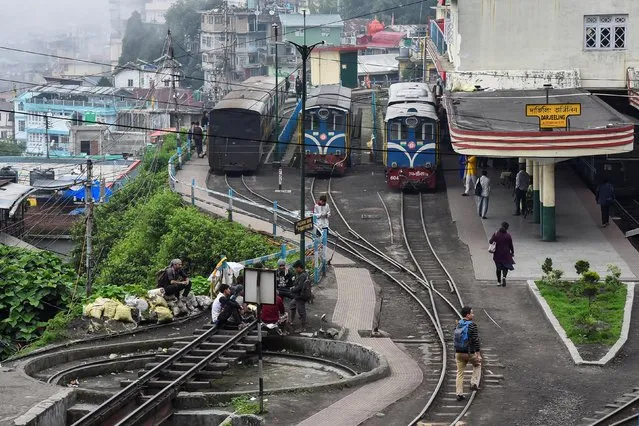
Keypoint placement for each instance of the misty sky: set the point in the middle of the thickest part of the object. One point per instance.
(22, 17)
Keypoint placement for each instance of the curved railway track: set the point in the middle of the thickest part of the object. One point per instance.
(624, 412)
(431, 273)
(189, 365)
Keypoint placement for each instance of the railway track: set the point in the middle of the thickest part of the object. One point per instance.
(623, 412)
(188, 365)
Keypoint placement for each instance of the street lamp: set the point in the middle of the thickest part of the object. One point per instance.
(305, 51)
(277, 91)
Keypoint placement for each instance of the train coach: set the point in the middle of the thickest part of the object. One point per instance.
(240, 124)
(411, 137)
(327, 131)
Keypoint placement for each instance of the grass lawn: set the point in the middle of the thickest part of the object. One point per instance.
(599, 324)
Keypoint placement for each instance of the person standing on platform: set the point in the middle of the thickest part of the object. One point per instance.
(522, 180)
(301, 292)
(298, 87)
(471, 175)
(503, 254)
(605, 197)
(467, 349)
(482, 191)
(322, 212)
(462, 168)
(197, 138)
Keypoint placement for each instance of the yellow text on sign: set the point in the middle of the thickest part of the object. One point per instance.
(552, 116)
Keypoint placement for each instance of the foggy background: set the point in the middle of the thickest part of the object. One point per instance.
(22, 19)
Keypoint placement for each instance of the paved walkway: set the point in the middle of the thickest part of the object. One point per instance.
(198, 169)
(579, 235)
(355, 311)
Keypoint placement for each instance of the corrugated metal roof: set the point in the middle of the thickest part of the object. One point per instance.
(416, 110)
(12, 194)
(252, 94)
(377, 64)
(65, 89)
(297, 20)
(329, 95)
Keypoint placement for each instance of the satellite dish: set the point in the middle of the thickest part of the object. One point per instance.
(271, 12)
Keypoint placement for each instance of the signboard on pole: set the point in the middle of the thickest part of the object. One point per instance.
(303, 225)
(259, 286)
(553, 116)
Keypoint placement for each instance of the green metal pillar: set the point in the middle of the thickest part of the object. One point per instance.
(548, 211)
(536, 200)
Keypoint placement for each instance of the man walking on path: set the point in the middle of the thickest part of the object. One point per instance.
(471, 175)
(521, 187)
(482, 191)
(301, 292)
(197, 138)
(467, 349)
(605, 197)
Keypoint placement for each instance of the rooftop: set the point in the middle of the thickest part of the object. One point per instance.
(74, 90)
(329, 95)
(377, 64)
(505, 110)
(297, 20)
(382, 39)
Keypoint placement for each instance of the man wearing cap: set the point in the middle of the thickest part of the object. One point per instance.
(177, 280)
(284, 279)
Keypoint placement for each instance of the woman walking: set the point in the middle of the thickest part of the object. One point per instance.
(503, 254)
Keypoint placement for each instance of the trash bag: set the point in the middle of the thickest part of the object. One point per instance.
(142, 305)
(109, 308)
(96, 311)
(159, 301)
(131, 301)
(163, 313)
(123, 313)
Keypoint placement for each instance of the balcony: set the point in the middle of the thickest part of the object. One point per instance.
(438, 38)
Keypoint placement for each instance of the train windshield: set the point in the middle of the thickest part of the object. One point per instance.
(339, 122)
(233, 123)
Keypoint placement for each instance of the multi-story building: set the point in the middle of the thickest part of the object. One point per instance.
(154, 10)
(6, 121)
(58, 106)
(230, 47)
(327, 28)
(139, 75)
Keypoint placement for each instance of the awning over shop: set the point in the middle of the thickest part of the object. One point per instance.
(12, 194)
(495, 124)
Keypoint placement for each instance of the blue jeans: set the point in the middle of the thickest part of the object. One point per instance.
(482, 206)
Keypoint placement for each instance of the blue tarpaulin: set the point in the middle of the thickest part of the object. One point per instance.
(95, 192)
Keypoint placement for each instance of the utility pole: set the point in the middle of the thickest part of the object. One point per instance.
(46, 132)
(227, 68)
(88, 205)
(170, 53)
(305, 51)
(277, 90)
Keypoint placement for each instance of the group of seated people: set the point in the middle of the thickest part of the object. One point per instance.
(229, 307)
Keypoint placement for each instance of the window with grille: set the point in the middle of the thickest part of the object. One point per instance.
(605, 31)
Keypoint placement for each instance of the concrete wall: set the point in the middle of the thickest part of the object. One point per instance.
(140, 79)
(50, 412)
(541, 35)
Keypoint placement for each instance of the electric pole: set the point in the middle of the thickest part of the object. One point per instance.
(277, 90)
(174, 71)
(305, 51)
(88, 205)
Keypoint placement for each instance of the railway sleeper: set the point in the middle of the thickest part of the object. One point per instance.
(229, 356)
(200, 375)
(203, 351)
(184, 366)
(155, 385)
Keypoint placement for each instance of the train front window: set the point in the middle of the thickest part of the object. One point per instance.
(428, 131)
(396, 131)
(339, 122)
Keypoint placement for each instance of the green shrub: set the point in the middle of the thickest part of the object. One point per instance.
(546, 267)
(582, 266)
(243, 405)
(200, 286)
(34, 287)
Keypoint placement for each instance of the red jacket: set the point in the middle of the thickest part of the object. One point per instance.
(271, 313)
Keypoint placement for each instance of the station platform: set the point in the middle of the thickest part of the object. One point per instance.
(579, 234)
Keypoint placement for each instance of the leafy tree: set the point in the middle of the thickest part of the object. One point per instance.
(10, 148)
(104, 82)
(582, 266)
(324, 6)
(141, 40)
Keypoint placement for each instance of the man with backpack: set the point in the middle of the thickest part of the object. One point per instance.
(173, 280)
(301, 292)
(467, 349)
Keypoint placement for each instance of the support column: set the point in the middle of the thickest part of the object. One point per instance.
(548, 211)
(536, 201)
(540, 171)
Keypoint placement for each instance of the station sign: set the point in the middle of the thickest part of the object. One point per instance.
(303, 225)
(553, 116)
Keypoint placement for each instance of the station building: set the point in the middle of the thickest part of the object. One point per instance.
(529, 82)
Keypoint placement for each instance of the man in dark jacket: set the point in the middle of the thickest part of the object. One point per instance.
(175, 280)
(198, 135)
(301, 293)
(469, 353)
(605, 197)
(284, 279)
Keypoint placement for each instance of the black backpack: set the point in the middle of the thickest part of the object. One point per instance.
(162, 278)
(478, 188)
(306, 293)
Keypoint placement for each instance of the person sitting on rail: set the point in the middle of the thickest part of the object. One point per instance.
(174, 280)
(224, 308)
(284, 279)
(274, 314)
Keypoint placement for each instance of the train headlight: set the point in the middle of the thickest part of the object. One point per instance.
(394, 165)
(428, 165)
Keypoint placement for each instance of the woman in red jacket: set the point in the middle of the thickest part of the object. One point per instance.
(504, 252)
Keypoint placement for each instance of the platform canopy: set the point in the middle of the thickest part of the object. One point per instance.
(12, 194)
(495, 124)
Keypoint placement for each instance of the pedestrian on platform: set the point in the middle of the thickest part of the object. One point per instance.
(174, 280)
(462, 168)
(503, 254)
(605, 197)
(322, 212)
(189, 135)
(205, 120)
(470, 175)
(482, 191)
(298, 87)
(284, 279)
(287, 86)
(197, 138)
(522, 180)
(301, 292)
(467, 349)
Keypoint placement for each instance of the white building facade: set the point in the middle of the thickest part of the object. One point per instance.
(134, 75)
(503, 44)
